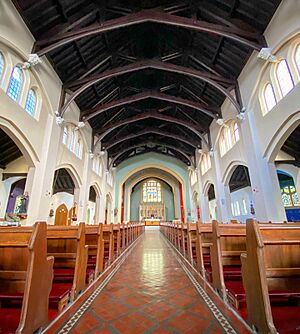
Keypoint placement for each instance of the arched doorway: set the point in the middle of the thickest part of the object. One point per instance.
(61, 215)
(108, 206)
(14, 168)
(241, 194)
(212, 202)
(287, 163)
(63, 201)
(92, 206)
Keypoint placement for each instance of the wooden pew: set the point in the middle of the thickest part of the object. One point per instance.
(229, 242)
(203, 244)
(117, 240)
(191, 243)
(108, 238)
(25, 278)
(271, 276)
(67, 245)
(95, 242)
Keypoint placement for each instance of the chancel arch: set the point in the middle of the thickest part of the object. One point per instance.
(139, 194)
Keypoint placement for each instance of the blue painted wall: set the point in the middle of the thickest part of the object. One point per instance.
(136, 198)
(124, 169)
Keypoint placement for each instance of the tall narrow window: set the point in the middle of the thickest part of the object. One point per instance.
(31, 102)
(72, 140)
(297, 58)
(269, 97)
(1, 65)
(284, 77)
(236, 133)
(78, 148)
(15, 84)
(152, 191)
(65, 136)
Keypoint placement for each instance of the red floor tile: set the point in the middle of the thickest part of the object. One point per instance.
(151, 293)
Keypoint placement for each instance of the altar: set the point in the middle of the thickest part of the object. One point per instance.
(152, 221)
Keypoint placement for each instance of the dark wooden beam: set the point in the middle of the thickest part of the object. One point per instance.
(112, 143)
(88, 115)
(188, 125)
(130, 148)
(209, 78)
(249, 39)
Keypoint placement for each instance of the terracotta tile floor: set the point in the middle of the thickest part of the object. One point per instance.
(151, 293)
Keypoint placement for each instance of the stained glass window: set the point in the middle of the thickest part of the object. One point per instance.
(152, 191)
(1, 64)
(297, 57)
(269, 96)
(15, 84)
(31, 102)
(284, 77)
(290, 196)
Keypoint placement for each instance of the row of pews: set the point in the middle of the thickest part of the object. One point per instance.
(43, 268)
(255, 267)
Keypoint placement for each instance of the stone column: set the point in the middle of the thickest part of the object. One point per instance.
(263, 175)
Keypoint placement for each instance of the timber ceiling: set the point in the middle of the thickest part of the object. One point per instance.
(148, 75)
(9, 151)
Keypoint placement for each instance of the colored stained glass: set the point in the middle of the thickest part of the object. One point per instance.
(152, 191)
(15, 84)
(295, 199)
(31, 102)
(286, 200)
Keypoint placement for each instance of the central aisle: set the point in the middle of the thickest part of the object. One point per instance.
(150, 293)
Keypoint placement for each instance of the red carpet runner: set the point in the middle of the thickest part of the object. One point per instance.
(152, 293)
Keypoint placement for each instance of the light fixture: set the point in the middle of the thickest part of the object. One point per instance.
(220, 121)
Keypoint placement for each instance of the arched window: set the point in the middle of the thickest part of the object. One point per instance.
(284, 77)
(236, 133)
(297, 58)
(205, 163)
(72, 140)
(229, 137)
(151, 191)
(78, 148)
(2, 62)
(65, 136)
(269, 96)
(222, 143)
(30, 106)
(15, 84)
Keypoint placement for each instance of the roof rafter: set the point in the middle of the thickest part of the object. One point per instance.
(111, 144)
(149, 142)
(88, 115)
(152, 114)
(214, 80)
(251, 39)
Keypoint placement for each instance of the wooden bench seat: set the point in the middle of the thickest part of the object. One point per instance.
(228, 243)
(108, 239)
(95, 242)
(203, 244)
(25, 279)
(67, 245)
(271, 276)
